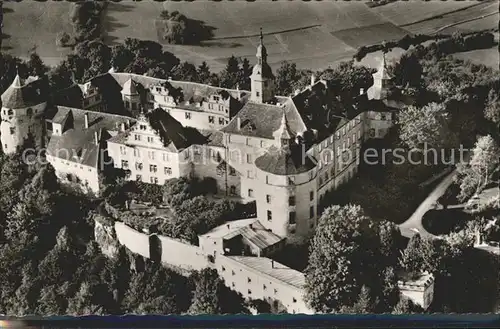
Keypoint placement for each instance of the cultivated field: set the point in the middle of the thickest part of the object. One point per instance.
(312, 34)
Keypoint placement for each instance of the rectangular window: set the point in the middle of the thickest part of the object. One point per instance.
(232, 172)
(137, 137)
(262, 144)
(250, 174)
(249, 280)
(124, 164)
(268, 198)
(151, 155)
(221, 121)
(142, 127)
(154, 180)
(165, 157)
(248, 141)
(269, 215)
(138, 166)
(138, 178)
(249, 158)
(311, 195)
(257, 93)
(187, 115)
(337, 135)
(153, 168)
(250, 193)
(12, 130)
(311, 212)
(291, 200)
(123, 150)
(137, 153)
(167, 171)
(211, 119)
(150, 139)
(343, 131)
(292, 218)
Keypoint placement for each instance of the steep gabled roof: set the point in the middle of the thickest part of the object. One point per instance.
(172, 132)
(261, 120)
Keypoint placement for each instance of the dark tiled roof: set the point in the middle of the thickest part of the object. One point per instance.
(214, 138)
(70, 97)
(290, 160)
(255, 234)
(193, 91)
(172, 132)
(20, 95)
(78, 141)
(261, 120)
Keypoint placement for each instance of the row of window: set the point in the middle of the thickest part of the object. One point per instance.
(152, 179)
(138, 137)
(351, 124)
(248, 142)
(151, 154)
(152, 168)
(292, 216)
(211, 119)
(291, 199)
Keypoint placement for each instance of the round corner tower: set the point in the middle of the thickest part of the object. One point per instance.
(23, 106)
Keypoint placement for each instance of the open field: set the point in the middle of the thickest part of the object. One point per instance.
(488, 57)
(407, 12)
(314, 35)
(30, 24)
(435, 25)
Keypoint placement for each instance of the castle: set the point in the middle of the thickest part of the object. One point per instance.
(283, 152)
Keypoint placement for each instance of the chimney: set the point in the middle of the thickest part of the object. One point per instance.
(228, 226)
(251, 226)
(86, 121)
(272, 263)
(96, 137)
(238, 123)
(297, 91)
(127, 206)
(169, 78)
(313, 79)
(361, 91)
(238, 94)
(123, 127)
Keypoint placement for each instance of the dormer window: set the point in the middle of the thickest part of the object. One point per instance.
(142, 127)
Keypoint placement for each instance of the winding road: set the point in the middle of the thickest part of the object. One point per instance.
(414, 223)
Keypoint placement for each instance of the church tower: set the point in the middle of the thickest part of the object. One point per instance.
(381, 82)
(23, 105)
(262, 78)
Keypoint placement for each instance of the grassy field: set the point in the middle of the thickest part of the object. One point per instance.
(488, 57)
(312, 34)
(30, 24)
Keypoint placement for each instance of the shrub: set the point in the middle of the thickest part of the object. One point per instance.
(64, 40)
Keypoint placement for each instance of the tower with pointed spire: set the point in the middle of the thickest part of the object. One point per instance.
(381, 81)
(23, 105)
(262, 78)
